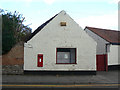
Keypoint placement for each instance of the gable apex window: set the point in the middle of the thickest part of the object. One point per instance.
(66, 56)
(62, 23)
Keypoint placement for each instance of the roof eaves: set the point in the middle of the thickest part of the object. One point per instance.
(97, 34)
(115, 43)
(89, 28)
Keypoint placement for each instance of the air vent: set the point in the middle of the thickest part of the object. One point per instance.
(63, 23)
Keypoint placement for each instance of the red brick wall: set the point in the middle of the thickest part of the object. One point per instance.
(15, 56)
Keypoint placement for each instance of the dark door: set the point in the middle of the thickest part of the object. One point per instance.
(101, 62)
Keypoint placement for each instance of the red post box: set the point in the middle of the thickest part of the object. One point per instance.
(40, 60)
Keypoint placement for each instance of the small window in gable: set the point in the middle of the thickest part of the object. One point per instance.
(63, 23)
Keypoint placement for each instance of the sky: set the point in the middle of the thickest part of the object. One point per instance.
(93, 13)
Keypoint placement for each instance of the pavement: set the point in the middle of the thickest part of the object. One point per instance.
(103, 77)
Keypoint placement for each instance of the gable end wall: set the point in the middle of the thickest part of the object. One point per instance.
(54, 36)
(101, 43)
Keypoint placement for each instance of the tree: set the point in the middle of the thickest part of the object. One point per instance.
(13, 29)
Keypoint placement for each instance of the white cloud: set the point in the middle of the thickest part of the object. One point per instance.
(52, 1)
(109, 21)
(29, 1)
(49, 1)
(114, 1)
(1, 6)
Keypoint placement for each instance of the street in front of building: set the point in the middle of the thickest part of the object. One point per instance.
(102, 79)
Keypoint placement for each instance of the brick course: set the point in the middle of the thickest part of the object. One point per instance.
(15, 56)
(12, 62)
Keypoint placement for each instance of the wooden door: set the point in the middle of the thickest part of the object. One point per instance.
(101, 62)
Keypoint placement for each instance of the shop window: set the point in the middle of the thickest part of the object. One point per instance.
(66, 56)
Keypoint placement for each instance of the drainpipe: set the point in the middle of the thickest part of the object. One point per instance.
(106, 57)
(106, 47)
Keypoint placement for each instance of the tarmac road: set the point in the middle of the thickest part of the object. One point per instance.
(102, 79)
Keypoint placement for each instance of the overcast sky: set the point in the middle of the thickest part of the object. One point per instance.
(94, 13)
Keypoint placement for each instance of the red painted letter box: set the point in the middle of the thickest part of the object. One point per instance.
(40, 60)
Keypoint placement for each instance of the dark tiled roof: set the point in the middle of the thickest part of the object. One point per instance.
(40, 28)
(111, 36)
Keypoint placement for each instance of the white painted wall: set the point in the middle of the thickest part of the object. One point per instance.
(113, 56)
(101, 43)
(112, 50)
(55, 36)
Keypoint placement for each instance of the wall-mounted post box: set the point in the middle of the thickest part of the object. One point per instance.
(40, 60)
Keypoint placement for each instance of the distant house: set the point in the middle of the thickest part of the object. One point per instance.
(60, 44)
(108, 42)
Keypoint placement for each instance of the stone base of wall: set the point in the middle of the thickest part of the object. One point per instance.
(114, 67)
(12, 69)
(39, 72)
